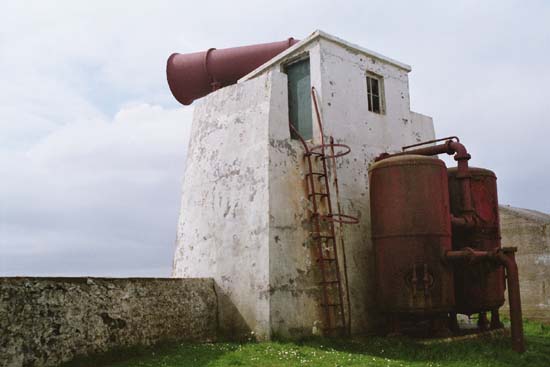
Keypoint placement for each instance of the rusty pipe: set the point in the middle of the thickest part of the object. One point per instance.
(469, 254)
(450, 147)
(463, 174)
(462, 222)
(462, 157)
(508, 259)
(505, 257)
(444, 148)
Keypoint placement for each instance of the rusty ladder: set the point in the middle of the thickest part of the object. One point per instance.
(323, 234)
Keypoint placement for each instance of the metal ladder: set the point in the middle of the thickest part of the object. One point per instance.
(323, 234)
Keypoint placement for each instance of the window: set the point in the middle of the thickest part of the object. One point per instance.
(375, 93)
(299, 99)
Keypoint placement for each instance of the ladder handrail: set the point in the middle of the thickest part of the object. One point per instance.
(330, 217)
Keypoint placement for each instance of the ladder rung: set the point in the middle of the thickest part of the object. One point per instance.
(322, 217)
(334, 328)
(319, 174)
(330, 304)
(329, 282)
(321, 194)
(328, 259)
(316, 235)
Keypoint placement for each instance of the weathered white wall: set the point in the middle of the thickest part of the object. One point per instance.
(293, 271)
(294, 299)
(223, 226)
(339, 75)
(245, 219)
(344, 107)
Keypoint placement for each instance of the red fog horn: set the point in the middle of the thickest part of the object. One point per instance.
(194, 75)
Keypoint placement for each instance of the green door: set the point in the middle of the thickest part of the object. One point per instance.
(299, 98)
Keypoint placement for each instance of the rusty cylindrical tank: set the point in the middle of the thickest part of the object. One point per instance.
(411, 231)
(479, 286)
(476, 236)
(194, 75)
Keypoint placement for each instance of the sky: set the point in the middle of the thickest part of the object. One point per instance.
(93, 145)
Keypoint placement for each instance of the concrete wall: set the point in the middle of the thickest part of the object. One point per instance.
(294, 278)
(223, 226)
(529, 231)
(245, 218)
(47, 321)
(344, 108)
(339, 76)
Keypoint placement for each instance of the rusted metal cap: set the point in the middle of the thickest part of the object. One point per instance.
(407, 160)
(474, 171)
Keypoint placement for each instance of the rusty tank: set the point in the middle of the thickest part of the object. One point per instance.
(479, 287)
(411, 229)
(436, 238)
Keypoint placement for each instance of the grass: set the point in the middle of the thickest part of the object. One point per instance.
(366, 351)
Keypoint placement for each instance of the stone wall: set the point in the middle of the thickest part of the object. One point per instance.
(46, 321)
(529, 231)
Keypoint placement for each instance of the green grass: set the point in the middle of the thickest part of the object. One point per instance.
(366, 351)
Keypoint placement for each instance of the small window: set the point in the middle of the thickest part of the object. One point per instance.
(299, 99)
(375, 93)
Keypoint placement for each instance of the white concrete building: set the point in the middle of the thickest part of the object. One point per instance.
(245, 215)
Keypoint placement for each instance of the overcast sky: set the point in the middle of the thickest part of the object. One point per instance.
(93, 145)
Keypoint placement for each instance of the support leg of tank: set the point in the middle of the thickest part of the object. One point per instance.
(439, 326)
(453, 322)
(482, 322)
(394, 325)
(495, 320)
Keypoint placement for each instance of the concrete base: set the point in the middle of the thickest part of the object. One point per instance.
(473, 335)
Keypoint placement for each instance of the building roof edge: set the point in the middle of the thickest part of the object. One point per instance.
(318, 34)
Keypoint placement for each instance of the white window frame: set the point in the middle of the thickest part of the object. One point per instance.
(381, 94)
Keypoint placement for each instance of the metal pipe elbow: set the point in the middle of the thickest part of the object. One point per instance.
(458, 149)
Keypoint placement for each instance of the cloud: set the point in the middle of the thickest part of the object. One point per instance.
(92, 144)
(96, 189)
